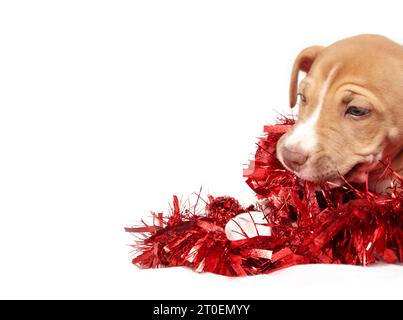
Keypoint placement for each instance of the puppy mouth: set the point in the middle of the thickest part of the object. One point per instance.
(357, 174)
(360, 171)
(337, 176)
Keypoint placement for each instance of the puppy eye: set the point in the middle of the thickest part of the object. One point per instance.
(357, 111)
(302, 98)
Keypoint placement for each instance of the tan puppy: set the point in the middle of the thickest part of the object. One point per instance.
(350, 112)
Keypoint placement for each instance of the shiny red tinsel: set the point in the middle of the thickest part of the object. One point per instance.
(309, 223)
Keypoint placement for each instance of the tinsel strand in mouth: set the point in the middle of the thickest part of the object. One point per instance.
(343, 225)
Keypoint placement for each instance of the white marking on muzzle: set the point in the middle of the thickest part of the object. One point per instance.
(304, 134)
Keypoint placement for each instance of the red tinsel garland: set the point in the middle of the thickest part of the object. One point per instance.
(309, 224)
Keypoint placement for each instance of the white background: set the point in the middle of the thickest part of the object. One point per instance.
(107, 108)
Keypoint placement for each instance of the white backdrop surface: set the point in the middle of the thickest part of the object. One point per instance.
(107, 108)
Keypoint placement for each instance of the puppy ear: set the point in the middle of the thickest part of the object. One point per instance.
(303, 62)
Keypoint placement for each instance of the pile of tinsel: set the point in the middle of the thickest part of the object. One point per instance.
(309, 224)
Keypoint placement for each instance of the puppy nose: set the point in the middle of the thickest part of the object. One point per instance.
(294, 157)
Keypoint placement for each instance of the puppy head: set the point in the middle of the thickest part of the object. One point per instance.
(350, 109)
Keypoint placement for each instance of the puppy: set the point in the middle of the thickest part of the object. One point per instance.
(350, 112)
(350, 119)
